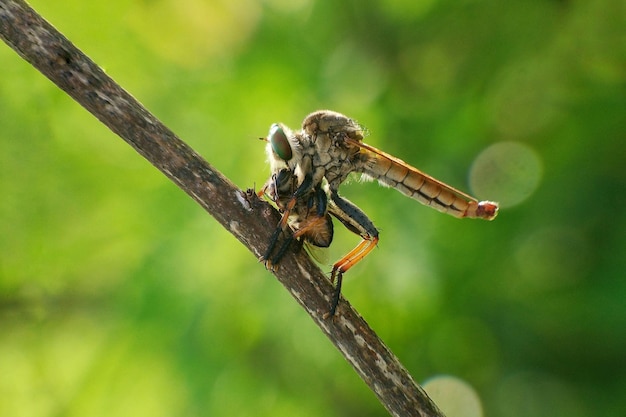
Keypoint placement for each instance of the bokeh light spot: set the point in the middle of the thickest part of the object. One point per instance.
(506, 172)
(454, 397)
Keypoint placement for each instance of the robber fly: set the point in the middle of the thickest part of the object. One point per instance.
(307, 167)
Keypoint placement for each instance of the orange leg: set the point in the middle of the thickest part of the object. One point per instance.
(357, 222)
(348, 261)
(353, 257)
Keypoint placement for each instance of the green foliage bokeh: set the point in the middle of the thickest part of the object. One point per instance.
(120, 296)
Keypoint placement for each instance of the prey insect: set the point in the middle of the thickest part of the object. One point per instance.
(309, 165)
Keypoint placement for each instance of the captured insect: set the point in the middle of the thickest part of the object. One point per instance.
(309, 165)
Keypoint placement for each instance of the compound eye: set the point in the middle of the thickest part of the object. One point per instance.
(280, 143)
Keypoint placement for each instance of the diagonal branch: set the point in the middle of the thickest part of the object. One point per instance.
(248, 218)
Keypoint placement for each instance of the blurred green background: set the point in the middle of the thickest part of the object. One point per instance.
(120, 296)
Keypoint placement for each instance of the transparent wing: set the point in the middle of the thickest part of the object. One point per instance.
(321, 255)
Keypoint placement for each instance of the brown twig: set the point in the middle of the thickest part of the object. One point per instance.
(242, 213)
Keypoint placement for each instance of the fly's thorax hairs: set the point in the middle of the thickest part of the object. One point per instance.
(297, 147)
(303, 168)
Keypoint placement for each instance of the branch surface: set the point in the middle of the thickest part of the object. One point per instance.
(248, 218)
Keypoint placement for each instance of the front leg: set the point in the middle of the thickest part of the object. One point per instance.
(357, 222)
(287, 209)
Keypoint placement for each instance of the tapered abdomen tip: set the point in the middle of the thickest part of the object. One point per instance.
(487, 210)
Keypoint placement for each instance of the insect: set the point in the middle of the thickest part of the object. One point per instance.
(307, 168)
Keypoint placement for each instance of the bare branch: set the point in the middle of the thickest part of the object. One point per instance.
(248, 218)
